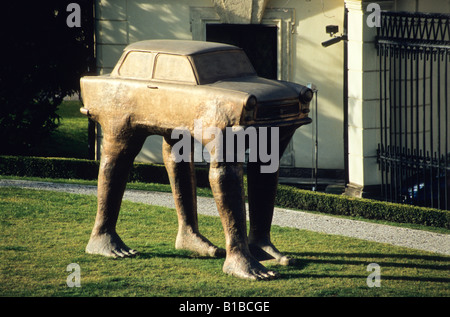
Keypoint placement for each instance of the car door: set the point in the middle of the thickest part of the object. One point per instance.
(172, 89)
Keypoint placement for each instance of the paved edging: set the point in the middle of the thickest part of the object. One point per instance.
(404, 237)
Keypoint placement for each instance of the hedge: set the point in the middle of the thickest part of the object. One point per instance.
(84, 169)
(287, 196)
(291, 197)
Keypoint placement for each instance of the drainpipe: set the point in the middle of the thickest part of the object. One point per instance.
(345, 93)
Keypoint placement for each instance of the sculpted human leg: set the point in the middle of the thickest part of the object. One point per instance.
(227, 185)
(262, 188)
(183, 184)
(117, 158)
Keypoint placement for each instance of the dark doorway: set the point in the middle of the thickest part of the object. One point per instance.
(258, 41)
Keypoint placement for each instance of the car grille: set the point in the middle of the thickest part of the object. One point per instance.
(277, 110)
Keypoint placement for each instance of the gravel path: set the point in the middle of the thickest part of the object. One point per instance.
(410, 238)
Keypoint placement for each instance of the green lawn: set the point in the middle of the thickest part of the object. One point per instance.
(43, 232)
(70, 139)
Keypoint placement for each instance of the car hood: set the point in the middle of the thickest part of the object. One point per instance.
(263, 89)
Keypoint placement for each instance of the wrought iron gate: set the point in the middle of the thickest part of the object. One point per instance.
(413, 154)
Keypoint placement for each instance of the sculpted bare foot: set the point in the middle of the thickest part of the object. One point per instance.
(110, 245)
(265, 250)
(197, 243)
(247, 268)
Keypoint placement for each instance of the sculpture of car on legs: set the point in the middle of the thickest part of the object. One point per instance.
(159, 86)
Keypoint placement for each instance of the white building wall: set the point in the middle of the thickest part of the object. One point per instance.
(323, 67)
(120, 22)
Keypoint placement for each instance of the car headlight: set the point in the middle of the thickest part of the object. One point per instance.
(251, 103)
(306, 94)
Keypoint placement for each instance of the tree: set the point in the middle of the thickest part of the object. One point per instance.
(42, 61)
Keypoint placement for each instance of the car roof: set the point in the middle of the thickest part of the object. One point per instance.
(180, 47)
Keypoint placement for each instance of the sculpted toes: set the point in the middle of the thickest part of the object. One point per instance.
(249, 269)
(273, 274)
(117, 254)
(286, 261)
(133, 252)
(124, 253)
(269, 275)
(219, 253)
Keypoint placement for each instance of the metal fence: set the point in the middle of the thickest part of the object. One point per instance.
(413, 153)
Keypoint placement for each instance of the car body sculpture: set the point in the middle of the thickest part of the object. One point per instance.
(164, 84)
(158, 86)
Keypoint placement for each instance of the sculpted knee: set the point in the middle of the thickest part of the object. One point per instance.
(226, 171)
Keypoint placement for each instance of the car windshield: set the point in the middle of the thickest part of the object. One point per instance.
(215, 66)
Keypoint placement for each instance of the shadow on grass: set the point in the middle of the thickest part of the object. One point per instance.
(445, 259)
(292, 271)
(440, 263)
(288, 276)
(298, 270)
(180, 254)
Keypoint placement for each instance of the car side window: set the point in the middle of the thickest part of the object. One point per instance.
(174, 68)
(137, 65)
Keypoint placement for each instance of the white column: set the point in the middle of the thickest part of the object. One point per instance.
(363, 96)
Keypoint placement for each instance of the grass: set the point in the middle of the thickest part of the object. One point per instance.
(70, 139)
(43, 232)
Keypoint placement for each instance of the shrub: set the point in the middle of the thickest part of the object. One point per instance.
(48, 167)
(290, 197)
(84, 169)
(42, 63)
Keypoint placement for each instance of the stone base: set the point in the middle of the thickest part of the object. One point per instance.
(359, 191)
